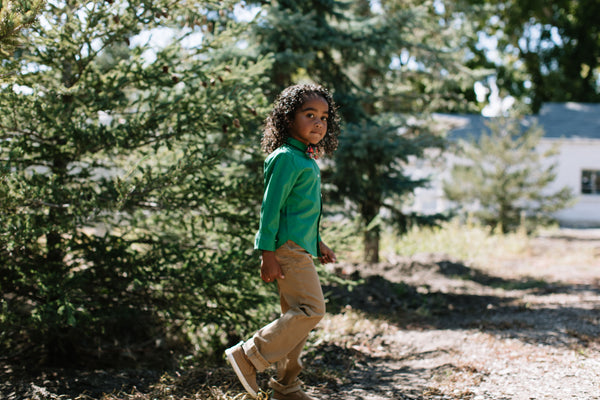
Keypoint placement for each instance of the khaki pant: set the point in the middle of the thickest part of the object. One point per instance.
(302, 307)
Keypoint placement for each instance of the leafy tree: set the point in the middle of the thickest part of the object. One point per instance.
(549, 51)
(15, 16)
(386, 68)
(129, 180)
(503, 180)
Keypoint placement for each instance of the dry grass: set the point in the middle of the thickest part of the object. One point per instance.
(464, 242)
(481, 247)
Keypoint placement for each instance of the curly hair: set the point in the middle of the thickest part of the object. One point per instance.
(279, 120)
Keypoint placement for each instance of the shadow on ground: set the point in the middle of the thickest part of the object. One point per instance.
(29, 383)
(489, 303)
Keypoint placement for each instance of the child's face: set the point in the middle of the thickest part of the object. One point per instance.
(310, 121)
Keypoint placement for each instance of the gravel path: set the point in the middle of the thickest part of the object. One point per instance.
(519, 329)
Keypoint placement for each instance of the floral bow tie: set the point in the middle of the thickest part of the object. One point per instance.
(312, 151)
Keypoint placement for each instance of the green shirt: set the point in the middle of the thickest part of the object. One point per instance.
(291, 206)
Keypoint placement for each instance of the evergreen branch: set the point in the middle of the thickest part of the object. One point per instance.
(12, 132)
(15, 17)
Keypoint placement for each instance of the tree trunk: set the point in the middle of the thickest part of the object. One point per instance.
(371, 243)
(369, 211)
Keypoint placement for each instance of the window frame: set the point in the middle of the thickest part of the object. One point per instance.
(590, 182)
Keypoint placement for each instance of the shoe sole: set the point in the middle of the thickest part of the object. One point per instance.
(238, 372)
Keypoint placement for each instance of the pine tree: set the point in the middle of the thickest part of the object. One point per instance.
(387, 69)
(129, 181)
(14, 17)
(502, 179)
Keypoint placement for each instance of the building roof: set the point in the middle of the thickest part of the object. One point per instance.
(559, 120)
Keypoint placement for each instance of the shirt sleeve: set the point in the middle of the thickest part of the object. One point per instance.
(319, 229)
(280, 176)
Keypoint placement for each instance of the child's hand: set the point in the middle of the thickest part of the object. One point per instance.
(270, 268)
(327, 255)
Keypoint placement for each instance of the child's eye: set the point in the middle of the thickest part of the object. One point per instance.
(324, 119)
(310, 115)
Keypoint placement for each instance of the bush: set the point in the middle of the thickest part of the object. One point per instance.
(130, 187)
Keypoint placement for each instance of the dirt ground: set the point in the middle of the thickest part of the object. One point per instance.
(518, 328)
(424, 327)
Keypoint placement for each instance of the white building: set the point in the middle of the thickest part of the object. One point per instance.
(573, 127)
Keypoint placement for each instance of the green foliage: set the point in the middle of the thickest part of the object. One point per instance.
(547, 51)
(130, 182)
(14, 17)
(503, 178)
(369, 173)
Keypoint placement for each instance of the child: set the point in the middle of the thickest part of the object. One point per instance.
(303, 124)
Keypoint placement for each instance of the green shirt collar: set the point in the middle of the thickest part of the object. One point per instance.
(297, 144)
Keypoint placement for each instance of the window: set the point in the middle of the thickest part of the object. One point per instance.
(590, 181)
